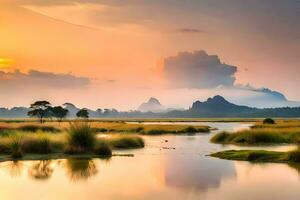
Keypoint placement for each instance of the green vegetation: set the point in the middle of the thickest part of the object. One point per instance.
(79, 140)
(283, 132)
(83, 113)
(266, 132)
(15, 146)
(35, 128)
(103, 149)
(268, 121)
(59, 112)
(126, 142)
(39, 109)
(141, 120)
(259, 156)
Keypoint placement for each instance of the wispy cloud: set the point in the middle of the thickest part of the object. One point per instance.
(189, 30)
(12, 81)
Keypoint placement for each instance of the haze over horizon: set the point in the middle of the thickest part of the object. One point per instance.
(100, 53)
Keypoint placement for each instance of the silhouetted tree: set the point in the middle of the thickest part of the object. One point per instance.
(59, 112)
(39, 109)
(83, 113)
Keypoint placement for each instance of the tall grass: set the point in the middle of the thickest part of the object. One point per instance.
(126, 142)
(16, 146)
(107, 126)
(39, 145)
(256, 136)
(81, 138)
(78, 138)
(294, 155)
(103, 149)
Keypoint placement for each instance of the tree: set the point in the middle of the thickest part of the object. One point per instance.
(39, 109)
(83, 113)
(59, 112)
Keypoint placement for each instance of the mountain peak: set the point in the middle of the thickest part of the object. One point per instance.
(153, 101)
(214, 104)
(217, 99)
(152, 105)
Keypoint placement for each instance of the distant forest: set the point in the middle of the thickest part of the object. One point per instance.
(212, 108)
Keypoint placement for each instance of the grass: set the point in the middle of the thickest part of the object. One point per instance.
(261, 133)
(106, 127)
(79, 140)
(126, 142)
(283, 132)
(16, 146)
(35, 128)
(103, 149)
(28, 128)
(124, 119)
(260, 156)
(269, 121)
(148, 129)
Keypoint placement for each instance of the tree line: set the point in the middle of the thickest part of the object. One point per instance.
(43, 109)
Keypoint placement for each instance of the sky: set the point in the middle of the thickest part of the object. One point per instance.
(117, 53)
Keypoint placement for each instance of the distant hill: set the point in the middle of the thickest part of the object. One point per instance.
(152, 105)
(216, 107)
(15, 112)
(220, 107)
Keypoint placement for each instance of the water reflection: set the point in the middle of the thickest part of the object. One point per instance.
(197, 173)
(80, 169)
(41, 170)
(15, 168)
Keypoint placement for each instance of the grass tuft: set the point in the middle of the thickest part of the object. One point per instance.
(103, 149)
(80, 137)
(126, 142)
(16, 146)
(269, 121)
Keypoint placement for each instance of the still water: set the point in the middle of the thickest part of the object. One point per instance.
(176, 169)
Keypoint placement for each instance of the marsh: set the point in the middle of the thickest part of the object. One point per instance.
(177, 169)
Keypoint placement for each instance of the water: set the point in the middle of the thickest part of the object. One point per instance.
(177, 169)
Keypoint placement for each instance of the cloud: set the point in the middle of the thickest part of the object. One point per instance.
(40, 80)
(190, 30)
(275, 95)
(198, 70)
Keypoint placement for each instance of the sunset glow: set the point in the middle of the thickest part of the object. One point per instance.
(120, 46)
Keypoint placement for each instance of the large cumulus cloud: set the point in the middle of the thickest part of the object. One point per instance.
(198, 70)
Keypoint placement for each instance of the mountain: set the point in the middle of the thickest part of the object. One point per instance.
(152, 105)
(218, 106)
(215, 107)
(15, 112)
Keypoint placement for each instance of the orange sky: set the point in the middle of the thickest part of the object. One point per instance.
(119, 46)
